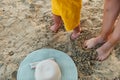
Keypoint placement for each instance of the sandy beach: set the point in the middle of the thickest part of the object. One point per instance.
(24, 28)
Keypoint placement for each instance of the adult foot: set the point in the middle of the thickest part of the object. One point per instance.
(104, 51)
(91, 43)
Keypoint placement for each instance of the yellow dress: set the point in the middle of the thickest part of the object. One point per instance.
(69, 10)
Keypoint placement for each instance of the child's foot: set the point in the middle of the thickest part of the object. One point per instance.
(91, 43)
(76, 33)
(104, 51)
(57, 23)
(55, 28)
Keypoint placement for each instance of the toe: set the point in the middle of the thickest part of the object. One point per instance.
(99, 58)
(54, 28)
(104, 58)
(74, 35)
(85, 44)
(89, 43)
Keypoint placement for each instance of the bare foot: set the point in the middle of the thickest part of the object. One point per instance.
(91, 43)
(104, 51)
(76, 33)
(55, 27)
(57, 23)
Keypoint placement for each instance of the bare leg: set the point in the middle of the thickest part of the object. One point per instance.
(104, 51)
(57, 23)
(76, 33)
(111, 12)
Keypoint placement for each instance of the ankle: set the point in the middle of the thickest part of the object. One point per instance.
(77, 29)
(113, 41)
(102, 38)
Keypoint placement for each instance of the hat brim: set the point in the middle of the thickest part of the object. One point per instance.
(66, 64)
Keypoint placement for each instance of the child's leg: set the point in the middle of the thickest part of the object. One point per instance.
(57, 23)
(104, 51)
(76, 33)
(111, 12)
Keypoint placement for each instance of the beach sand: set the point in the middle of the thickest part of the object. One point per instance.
(24, 28)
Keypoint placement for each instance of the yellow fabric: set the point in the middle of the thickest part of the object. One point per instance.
(69, 10)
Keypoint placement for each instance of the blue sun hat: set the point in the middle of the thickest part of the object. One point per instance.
(47, 64)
